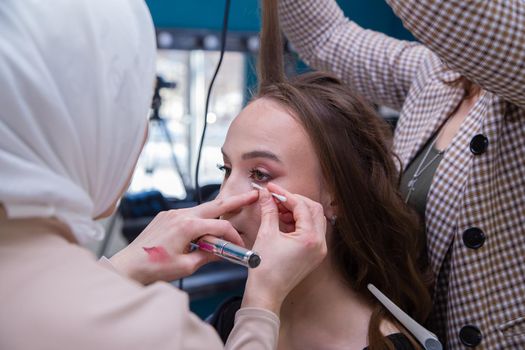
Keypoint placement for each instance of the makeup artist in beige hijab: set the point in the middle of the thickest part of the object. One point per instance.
(75, 91)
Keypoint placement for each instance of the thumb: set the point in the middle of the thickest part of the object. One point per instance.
(269, 212)
(192, 261)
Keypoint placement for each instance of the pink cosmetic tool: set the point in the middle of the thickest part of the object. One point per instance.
(228, 251)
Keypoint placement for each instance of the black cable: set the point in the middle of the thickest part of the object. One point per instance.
(223, 48)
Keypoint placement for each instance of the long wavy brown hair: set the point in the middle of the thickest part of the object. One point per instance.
(377, 239)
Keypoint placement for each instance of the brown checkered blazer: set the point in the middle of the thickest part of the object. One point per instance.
(475, 214)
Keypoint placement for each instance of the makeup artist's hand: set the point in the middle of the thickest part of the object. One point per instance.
(286, 258)
(161, 251)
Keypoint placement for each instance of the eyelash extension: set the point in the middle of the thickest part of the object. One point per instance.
(255, 174)
(226, 170)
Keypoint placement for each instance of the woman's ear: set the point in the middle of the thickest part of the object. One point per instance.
(332, 213)
(330, 206)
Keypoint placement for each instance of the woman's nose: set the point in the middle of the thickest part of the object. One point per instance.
(230, 188)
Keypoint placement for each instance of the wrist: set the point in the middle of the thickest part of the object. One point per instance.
(125, 267)
(262, 298)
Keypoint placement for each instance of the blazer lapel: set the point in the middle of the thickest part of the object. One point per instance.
(448, 187)
(420, 120)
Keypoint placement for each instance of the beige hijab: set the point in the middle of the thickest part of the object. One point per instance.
(76, 83)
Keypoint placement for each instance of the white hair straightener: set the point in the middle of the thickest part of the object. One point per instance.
(428, 339)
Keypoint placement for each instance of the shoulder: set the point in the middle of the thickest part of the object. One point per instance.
(223, 318)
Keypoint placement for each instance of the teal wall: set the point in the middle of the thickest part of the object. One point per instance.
(244, 16)
(204, 14)
(376, 15)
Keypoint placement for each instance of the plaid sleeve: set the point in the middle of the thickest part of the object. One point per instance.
(379, 67)
(482, 39)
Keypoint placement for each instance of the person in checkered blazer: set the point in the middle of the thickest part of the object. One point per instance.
(460, 91)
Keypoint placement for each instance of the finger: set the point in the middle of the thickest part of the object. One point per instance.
(302, 208)
(189, 263)
(318, 218)
(290, 202)
(320, 221)
(297, 205)
(278, 190)
(302, 216)
(196, 228)
(317, 211)
(220, 206)
(269, 213)
(312, 205)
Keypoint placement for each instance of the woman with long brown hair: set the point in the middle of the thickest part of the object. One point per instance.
(459, 88)
(72, 126)
(315, 137)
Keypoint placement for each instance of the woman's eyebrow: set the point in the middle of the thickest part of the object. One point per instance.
(261, 154)
(256, 154)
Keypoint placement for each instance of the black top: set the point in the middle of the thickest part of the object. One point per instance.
(223, 319)
(418, 198)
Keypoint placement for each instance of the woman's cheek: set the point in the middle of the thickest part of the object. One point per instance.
(254, 214)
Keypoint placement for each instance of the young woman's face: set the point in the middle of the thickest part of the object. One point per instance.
(265, 143)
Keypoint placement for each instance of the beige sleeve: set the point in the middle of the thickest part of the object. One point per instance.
(255, 329)
(56, 296)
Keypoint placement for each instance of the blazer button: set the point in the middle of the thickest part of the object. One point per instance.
(474, 238)
(479, 144)
(470, 336)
